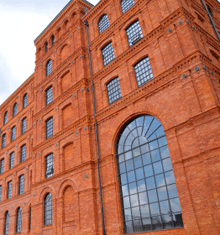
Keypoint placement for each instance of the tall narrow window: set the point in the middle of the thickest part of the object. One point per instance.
(126, 5)
(21, 185)
(0, 193)
(134, 33)
(2, 161)
(6, 230)
(29, 219)
(9, 189)
(12, 158)
(149, 196)
(49, 67)
(23, 153)
(3, 140)
(6, 117)
(49, 128)
(13, 133)
(49, 95)
(24, 126)
(103, 23)
(19, 220)
(108, 53)
(25, 100)
(143, 71)
(48, 209)
(46, 47)
(114, 90)
(53, 40)
(49, 165)
(15, 109)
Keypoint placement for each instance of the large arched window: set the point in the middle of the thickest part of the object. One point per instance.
(48, 209)
(6, 117)
(6, 223)
(49, 67)
(25, 100)
(148, 190)
(103, 23)
(126, 5)
(18, 220)
(15, 108)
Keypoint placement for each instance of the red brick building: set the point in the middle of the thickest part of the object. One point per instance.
(118, 129)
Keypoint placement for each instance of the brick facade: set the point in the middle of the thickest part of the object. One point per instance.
(184, 95)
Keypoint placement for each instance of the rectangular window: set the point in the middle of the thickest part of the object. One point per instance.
(21, 185)
(12, 133)
(23, 153)
(2, 166)
(108, 53)
(11, 163)
(49, 128)
(114, 90)
(49, 95)
(0, 193)
(3, 140)
(9, 189)
(49, 165)
(24, 126)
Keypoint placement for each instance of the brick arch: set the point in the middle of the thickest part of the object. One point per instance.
(45, 191)
(66, 23)
(66, 183)
(130, 21)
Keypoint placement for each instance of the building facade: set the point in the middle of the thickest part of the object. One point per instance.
(118, 129)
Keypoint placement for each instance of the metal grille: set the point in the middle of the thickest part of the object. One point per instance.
(18, 220)
(25, 100)
(11, 163)
(108, 54)
(134, 33)
(103, 23)
(29, 218)
(49, 67)
(49, 95)
(148, 190)
(143, 71)
(49, 128)
(9, 189)
(46, 47)
(49, 166)
(23, 153)
(13, 133)
(53, 40)
(6, 118)
(0, 193)
(114, 90)
(15, 108)
(3, 140)
(24, 126)
(21, 185)
(6, 223)
(48, 210)
(126, 5)
(2, 166)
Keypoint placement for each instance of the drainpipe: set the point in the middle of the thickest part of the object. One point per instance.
(96, 128)
(211, 20)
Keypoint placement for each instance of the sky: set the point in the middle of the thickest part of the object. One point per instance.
(21, 21)
(20, 24)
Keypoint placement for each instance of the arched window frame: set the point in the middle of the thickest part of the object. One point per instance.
(13, 133)
(126, 5)
(103, 23)
(2, 164)
(49, 95)
(11, 162)
(15, 109)
(9, 192)
(6, 227)
(134, 33)
(3, 140)
(49, 67)
(48, 210)
(113, 90)
(49, 167)
(46, 46)
(21, 185)
(6, 117)
(25, 100)
(19, 220)
(108, 53)
(49, 127)
(23, 153)
(52, 40)
(24, 125)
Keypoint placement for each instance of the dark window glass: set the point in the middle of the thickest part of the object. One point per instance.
(0, 193)
(6, 118)
(2, 166)
(134, 33)
(29, 218)
(53, 40)
(24, 126)
(46, 47)
(114, 90)
(13, 133)
(48, 209)
(49, 128)
(103, 23)
(49, 67)
(15, 108)
(18, 220)
(126, 5)
(3, 140)
(108, 54)
(210, 11)
(9, 189)
(143, 71)
(49, 95)
(25, 100)
(23, 153)
(49, 166)
(148, 190)
(21, 185)
(6, 223)
(12, 158)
